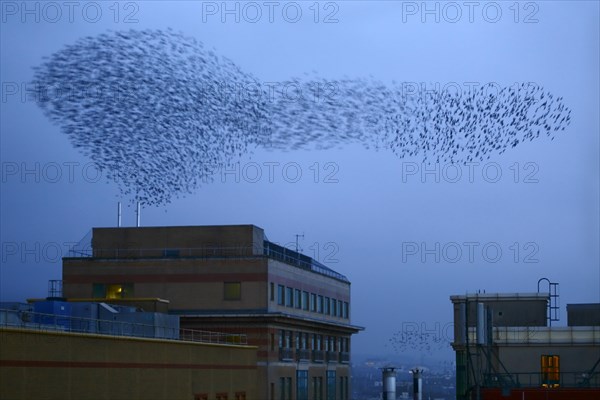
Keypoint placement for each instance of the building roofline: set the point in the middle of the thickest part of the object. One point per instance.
(499, 296)
(178, 226)
(335, 324)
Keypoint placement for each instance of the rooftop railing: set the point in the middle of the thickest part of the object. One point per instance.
(537, 379)
(64, 323)
(269, 249)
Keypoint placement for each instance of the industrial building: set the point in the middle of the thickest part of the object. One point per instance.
(506, 348)
(230, 279)
(54, 349)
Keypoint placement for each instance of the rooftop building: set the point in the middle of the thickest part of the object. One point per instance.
(506, 349)
(230, 279)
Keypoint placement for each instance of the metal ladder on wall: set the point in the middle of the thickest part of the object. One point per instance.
(553, 305)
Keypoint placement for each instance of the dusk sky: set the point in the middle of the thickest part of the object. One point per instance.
(405, 237)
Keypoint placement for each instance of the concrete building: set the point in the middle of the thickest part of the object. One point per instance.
(505, 349)
(231, 279)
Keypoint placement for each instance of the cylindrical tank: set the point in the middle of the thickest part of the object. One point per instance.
(389, 383)
(417, 384)
(481, 324)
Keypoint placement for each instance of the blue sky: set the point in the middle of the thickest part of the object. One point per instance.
(372, 216)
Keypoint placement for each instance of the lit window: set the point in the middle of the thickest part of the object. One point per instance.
(232, 290)
(119, 291)
(550, 371)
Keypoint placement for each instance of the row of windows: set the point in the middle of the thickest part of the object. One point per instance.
(303, 300)
(285, 387)
(312, 341)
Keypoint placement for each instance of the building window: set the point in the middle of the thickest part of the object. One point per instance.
(112, 291)
(272, 287)
(201, 396)
(232, 290)
(289, 297)
(317, 388)
(301, 385)
(313, 302)
(334, 307)
(331, 385)
(298, 298)
(98, 291)
(346, 310)
(305, 301)
(326, 309)
(281, 338)
(340, 308)
(280, 295)
(171, 253)
(320, 304)
(240, 395)
(550, 371)
(343, 388)
(285, 388)
(273, 342)
(221, 396)
(319, 342)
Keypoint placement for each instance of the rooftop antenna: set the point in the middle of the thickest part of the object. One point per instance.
(138, 214)
(297, 237)
(119, 214)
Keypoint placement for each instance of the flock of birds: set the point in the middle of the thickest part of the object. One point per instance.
(157, 111)
(408, 341)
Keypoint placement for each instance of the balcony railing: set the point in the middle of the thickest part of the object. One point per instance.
(344, 357)
(286, 354)
(332, 356)
(65, 323)
(302, 354)
(318, 356)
